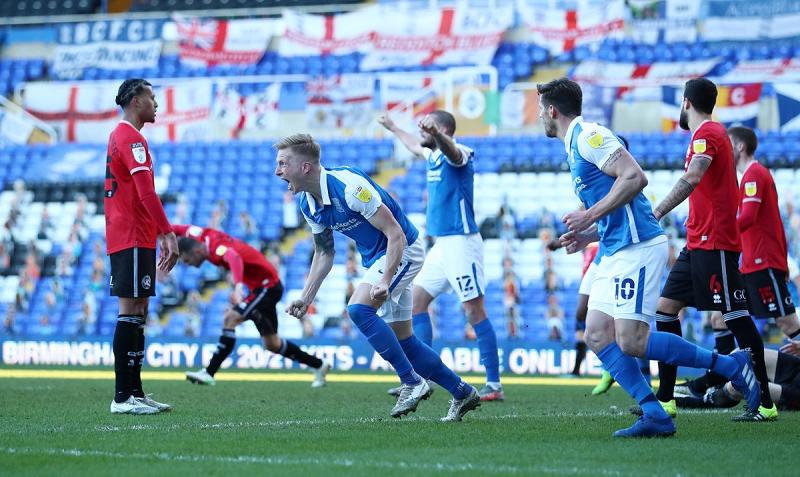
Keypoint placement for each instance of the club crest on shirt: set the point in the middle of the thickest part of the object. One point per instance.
(699, 146)
(221, 250)
(146, 282)
(362, 194)
(139, 154)
(750, 189)
(595, 139)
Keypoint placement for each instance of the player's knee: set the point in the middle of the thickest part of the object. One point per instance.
(717, 321)
(596, 338)
(273, 343)
(422, 300)
(474, 311)
(631, 344)
(231, 319)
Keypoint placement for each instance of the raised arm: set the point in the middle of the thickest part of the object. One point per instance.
(410, 141)
(444, 142)
(321, 266)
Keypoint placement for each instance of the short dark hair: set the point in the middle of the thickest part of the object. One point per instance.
(445, 119)
(303, 144)
(128, 89)
(744, 135)
(187, 245)
(564, 94)
(702, 92)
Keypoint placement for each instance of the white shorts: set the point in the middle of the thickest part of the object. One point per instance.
(398, 306)
(627, 284)
(588, 278)
(454, 263)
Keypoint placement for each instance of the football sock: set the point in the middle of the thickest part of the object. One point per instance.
(724, 341)
(580, 355)
(430, 366)
(293, 352)
(624, 370)
(423, 328)
(136, 378)
(125, 344)
(227, 341)
(674, 350)
(644, 367)
(383, 340)
(487, 344)
(667, 374)
(746, 333)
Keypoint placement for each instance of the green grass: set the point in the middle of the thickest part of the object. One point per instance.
(63, 427)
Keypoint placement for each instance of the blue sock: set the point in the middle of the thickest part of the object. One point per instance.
(644, 366)
(423, 328)
(672, 349)
(430, 366)
(627, 374)
(383, 340)
(487, 344)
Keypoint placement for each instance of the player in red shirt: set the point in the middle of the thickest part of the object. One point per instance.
(764, 250)
(135, 219)
(706, 274)
(249, 269)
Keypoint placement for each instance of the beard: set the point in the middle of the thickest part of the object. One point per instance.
(550, 129)
(683, 121)
(428, 141)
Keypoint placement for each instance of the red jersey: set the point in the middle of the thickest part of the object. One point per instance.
(128, 223)
(589, 254)
(223, 249)
(763, 236)
(712, 204)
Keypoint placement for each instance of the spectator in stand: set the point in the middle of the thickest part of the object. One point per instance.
(46, 225)
(9, 325)
(513, 323)
(63, 267)
(74, 245)
(58, 289)
(250, 229)
(24, 289)
(291, 213)
(308, 328)
(510, 294)
(551, 283)
(45, 328)
(183, 212)
(34, 272)
(153, 327)
(5, 259)
(555, 318)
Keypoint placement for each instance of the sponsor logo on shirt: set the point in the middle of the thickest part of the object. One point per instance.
(699, 146)
(362, 194)
(139, 154)
(595, 139)
(750, 189)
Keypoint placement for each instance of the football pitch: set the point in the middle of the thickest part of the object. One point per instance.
(56, 421)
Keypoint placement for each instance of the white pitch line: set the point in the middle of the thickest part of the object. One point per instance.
(273, 460)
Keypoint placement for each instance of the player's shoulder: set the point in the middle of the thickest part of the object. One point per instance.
(347, 178)
(126, 133)
(711, 130)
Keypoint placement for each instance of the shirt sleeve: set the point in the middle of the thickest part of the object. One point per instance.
(193, 231)
(704, 144)
(149, 197)
(363, 198)
(466, 155)
(135, 156)
(315, 227)
(235, 263)
(596, 145)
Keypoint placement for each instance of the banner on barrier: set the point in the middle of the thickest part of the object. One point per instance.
(561, 30)
(110, 45)
(343, 101)
(313, 35)
(210, 42)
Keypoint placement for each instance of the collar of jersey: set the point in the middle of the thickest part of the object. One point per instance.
(323, 187)
(568, 137)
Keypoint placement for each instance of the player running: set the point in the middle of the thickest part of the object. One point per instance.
(455, 262)
(706, 274)
(135, 219)
(251, 271)
(622, 300)
(347, 200)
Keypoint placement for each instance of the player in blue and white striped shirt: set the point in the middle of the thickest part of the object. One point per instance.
(347, 200)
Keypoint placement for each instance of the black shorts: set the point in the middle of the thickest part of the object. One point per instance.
(787, 375)
(259, 306)
(768, 294)
(708, 280)
(133, 273)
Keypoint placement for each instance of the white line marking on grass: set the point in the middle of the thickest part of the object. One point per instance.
(337, 462)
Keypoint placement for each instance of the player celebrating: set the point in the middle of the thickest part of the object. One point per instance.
(345, 199)
(135, 219)
(455, 262)
(622, 300)
(706, 274)
(249, 269)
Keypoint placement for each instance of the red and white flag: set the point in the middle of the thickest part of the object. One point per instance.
(343, 101)
(562, 30)
(184, 113)
(778, 69)
(209, 42)
(447, 36)
(308, 34)
(254, 112)
(78, 113)
(631, 74)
